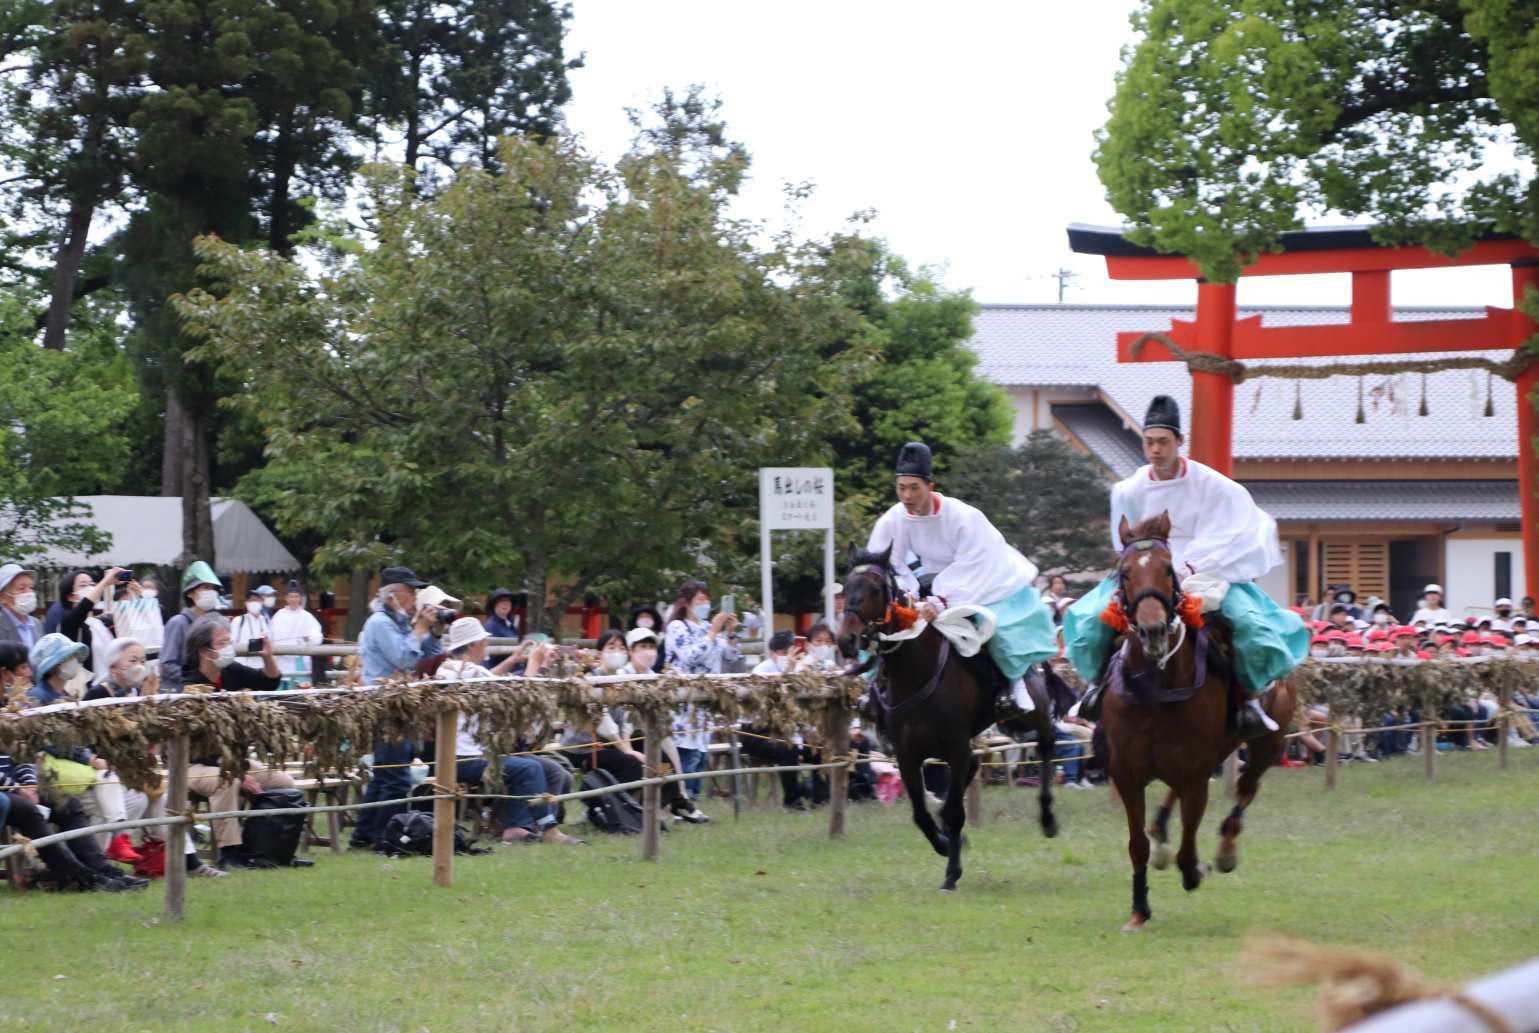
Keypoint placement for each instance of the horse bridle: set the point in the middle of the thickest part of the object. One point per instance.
(869, 629)
(1171, 600)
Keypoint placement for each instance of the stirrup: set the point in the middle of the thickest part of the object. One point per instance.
(1246, 724)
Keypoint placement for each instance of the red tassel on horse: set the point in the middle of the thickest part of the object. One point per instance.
(901, 616)
(1113, 617)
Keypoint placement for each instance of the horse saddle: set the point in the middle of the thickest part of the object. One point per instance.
(1145, 687)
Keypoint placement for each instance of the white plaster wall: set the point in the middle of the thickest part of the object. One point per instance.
(1276, 581)
(1471, 572)
(1033, 406)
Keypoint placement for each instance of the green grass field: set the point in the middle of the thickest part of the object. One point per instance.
(764, 924)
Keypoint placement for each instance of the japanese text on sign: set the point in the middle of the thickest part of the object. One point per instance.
(796, 498)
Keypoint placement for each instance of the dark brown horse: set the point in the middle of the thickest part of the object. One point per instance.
(929, 702)
(1166, 714)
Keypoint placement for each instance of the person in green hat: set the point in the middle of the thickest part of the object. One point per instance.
(200, 593)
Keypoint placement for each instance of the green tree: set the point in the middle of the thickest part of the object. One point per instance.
(553, 371)
(1233, 120)
(60, 417)
(69, 69)
(1048, 500)
(452, 79)
(924, 386)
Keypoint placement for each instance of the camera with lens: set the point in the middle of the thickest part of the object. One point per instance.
(443, 616)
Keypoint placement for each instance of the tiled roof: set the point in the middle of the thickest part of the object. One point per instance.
(1102, 431)
(1388, 500)
(1075, 345)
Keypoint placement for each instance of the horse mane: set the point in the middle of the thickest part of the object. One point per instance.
(861, 557)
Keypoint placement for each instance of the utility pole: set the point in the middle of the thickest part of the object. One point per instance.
(1063, 276)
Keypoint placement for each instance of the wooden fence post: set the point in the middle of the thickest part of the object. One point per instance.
(737, 780)
(1503, 726)
(176, 841)
(837, 744)
(445, 772)
(1428, 748)
(651, 794)
(1332, 759)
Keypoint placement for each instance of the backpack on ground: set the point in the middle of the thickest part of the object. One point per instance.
(411, 834)
(612, 812)
(275, 838)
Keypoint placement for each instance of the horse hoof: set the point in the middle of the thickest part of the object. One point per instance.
(1159, 856)
(1134, 924)
(1227, 862)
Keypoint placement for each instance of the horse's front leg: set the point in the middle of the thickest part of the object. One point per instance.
(1194, 801)
(954, 813)
(911, 768)
(1132, 794)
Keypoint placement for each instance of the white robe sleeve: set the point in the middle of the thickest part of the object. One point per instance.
(889, 531)
(980, 552)
(1234, 540)
(1121, 506)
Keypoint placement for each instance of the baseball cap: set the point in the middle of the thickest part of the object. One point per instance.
(401, 576)
(639, 635)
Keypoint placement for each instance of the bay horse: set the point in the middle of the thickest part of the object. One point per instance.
(930, 701)
(1166, 711)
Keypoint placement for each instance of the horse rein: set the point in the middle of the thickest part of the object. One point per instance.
(871, 630)
(1171, 602)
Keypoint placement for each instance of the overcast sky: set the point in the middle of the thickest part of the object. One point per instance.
(965, 125)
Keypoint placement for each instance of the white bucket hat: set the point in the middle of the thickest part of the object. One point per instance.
(463, 632)
(1433, 588)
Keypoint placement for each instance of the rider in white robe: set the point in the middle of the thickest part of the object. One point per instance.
(971, 563)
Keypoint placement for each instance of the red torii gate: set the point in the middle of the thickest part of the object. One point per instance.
(1370, 331)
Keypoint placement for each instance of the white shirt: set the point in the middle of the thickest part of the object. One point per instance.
(465, 744)
(1216, 528)
(243, 629)
(970, 559)
(1441, 615)
(767, 666)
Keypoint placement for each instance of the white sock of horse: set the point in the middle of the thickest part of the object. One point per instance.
(1020, 697)
(1255, 704)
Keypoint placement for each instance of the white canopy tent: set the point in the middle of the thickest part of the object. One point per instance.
(147, 529)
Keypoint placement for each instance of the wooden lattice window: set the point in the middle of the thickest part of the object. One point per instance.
(1362, 564)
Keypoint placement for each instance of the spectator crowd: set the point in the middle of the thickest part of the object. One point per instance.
(122, 635)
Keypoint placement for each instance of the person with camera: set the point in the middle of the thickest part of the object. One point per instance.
(698, 643)
(208, 655)
(79, 593)
(397, 635)
(251, 629)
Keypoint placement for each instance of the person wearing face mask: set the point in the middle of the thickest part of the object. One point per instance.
(200, 591)
(251, 628)
(697, 643)
(78, 771)
(208, 657)
(647, 618)
(296, 626)
(782, 654)
(609, 741)
(18, 598)
(396, 636)
(80, 593)
(501, 621)
(822, 653)
(136, 612)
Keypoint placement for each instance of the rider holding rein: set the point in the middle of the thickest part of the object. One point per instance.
(1220, 542)
(971, 563)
